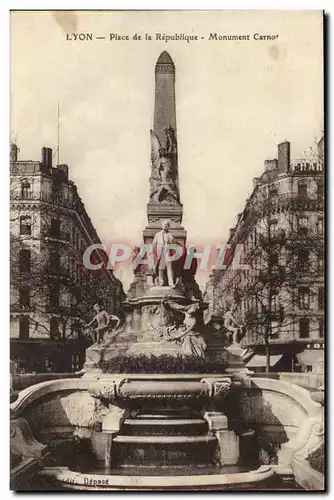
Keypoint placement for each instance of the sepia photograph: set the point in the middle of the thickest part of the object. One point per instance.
(167, 250)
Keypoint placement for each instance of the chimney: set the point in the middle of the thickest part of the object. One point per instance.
(13, 152)
(43, 156)
(64, 169)
(47, 156)
(284, 156)
(270, 165)
(255, 181)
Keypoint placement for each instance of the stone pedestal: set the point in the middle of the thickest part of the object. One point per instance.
(235, 360)
(102, 442)
(94, 354)
(112, 421)
(228, 447)
(228, 441)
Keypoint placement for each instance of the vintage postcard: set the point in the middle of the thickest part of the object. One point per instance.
(167, 251)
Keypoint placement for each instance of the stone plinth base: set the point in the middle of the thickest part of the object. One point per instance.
(112, 421)
(94, 354)
(228, 447)
(235, 360)
(228, 442)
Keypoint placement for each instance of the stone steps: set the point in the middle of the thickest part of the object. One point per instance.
(163, 439)
(164, 421)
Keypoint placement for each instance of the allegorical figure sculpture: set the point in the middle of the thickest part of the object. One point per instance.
(162, 180)
(102, 320)
(160, 248)
(232, 325)
(185, 333)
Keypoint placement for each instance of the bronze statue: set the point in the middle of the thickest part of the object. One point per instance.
(162, 182)
(160, 245)
(232, 325)
(185, 334)
(102, 320)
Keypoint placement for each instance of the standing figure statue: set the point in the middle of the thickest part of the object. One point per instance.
(160, 249)
(185, 334)
(102, 321)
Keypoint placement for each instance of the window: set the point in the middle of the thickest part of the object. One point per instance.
(320, 190)
(273, 258)
(320, 225)
(54, 261)
(273, 191)
(54, 328)
(304, 298)
(304, 328)
(321, 298)
(25, 225)
(273, 227)
(55, 190)
(275, 303)
(320, 263)
(24, 328)
(302, 226)
(25, 261)
(321, 328)
(75, 362)
(274, 330)
(74, 330)
(55, 228)
(54, 295)
(24, 297)
(303, 259)
(302, 190)
(25, 189)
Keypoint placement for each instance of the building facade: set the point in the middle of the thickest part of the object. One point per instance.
(52, 292)
(278, 299)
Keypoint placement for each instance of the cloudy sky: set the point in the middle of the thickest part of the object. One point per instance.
(235, 101)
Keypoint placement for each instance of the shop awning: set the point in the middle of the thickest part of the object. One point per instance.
(258, 361)
(310, 357)
(247, 354)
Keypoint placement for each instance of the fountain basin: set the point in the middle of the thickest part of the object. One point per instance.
(273, 410)
(68, 479)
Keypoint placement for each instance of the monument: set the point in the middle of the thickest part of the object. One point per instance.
(164, 198)
(164, 308)
(161, 391)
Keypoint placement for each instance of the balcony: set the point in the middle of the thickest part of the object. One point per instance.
(56, 309)
(277, 274)
(297, 202)
(61, 236)
(277, 238)
(17, 308)
(59, 273)
(51, 198)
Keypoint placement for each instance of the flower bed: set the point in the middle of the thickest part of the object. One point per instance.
(161, 364)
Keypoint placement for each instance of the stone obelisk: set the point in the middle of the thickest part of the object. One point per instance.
(164, 202)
